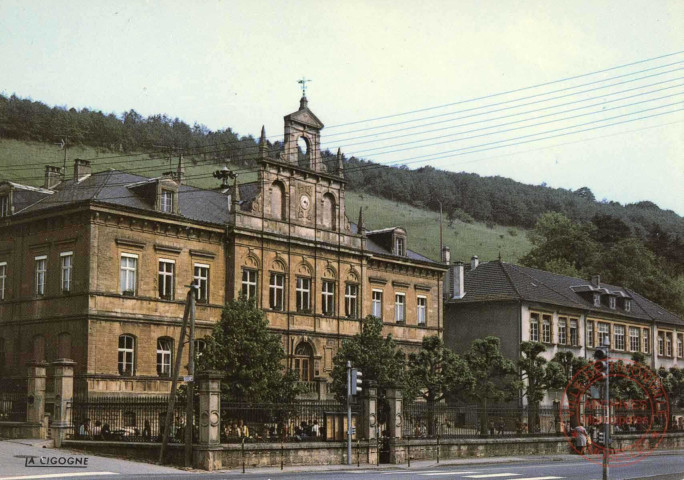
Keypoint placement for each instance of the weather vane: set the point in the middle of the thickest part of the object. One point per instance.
(303, 83)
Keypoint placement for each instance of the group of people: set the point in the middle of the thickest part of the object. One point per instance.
(238, 431)
(102, 431)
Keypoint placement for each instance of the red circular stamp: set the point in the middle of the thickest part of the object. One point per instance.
(637, 412)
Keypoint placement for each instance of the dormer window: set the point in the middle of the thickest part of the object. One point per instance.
(4, 206)
(597, 299)
(167, 201)
(611, 303)
(628, 305)
(400, 246)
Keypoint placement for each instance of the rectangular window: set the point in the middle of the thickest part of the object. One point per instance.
(41, 272)
(3, 279)
(534, 327)
(661, 345)
(611, 302)
(303, 294)
(680, 346)
(351, 300)
(634, 339)
(126, 354)
(67, 260)
(276, 291)
(597, 299)
(546, 328)
(647, 341)
(376, 304)
(619, 337)
(328, 297)
(421, 310)
(166, 279)
(128, 273)
(628, 305)
(4, 205)
(562, 331)
(603, 333)
(201, 279)
(668, 344)
(590, 333)
(164, 346)
(249, 283)
(399, 307)
(400, 246)
(574, 334)
(167, 201)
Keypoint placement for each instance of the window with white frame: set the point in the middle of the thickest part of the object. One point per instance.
(201, 280)
(167, 201)
(603, 333)
(128, 273)
(574, 332)
(619, 337)
(376, 303)
(400, 246)
(249, 283)
(126, 354)
(328, 297)
(647, 340)
(3, 279)
(562, 330)
(399, 307)
(668, 344)
(303, 294)
(661, 344)
(590, 333)
(421, 309)
(680, 346)
(164, 347)
(597, 299)
(200, 346)
(276, 291)
(534, 327)
(611, 302)
(351, 300)
(4, 205)
(41, 274)
(166, 282)
(628, 305)
(67, 264)
(634, 339)
(546, 328)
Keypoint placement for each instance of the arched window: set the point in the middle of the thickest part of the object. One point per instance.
(64, 345)
(303, 362)
(303, 153)
(126, 354)
(278, 200)
(39, 348)
(329, 214)
(164, 346)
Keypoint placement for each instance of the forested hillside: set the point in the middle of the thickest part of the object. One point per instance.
(465, 197)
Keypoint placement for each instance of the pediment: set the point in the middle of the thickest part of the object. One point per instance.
(305, 117)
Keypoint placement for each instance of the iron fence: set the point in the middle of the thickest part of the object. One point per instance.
(13, 406)
(421, 420)
(304, 420)
(127, 418)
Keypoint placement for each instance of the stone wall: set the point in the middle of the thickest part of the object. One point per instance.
(21, 430)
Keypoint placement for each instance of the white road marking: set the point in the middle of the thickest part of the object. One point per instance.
(443, 473)
(493, 475)
(58, 475)
(539, 478)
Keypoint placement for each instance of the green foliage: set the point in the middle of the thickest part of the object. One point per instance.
(250, 355)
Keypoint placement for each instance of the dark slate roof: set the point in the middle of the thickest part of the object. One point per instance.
(376, 248)
(498, 280)
(113, 187)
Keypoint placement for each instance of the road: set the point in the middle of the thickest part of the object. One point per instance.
(670, 466)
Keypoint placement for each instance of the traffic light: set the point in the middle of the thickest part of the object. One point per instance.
(601, 438)
(356, 381)
(601, 363)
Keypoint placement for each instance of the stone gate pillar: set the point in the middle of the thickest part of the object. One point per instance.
(369, 423)
(35, 408)
(210, 407)
(64, 394)
(395, 423)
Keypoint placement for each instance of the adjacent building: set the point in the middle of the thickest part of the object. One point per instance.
(95, 268)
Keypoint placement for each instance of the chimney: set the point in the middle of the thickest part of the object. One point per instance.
(474, 262)
(596, 280)
(446, 255)
(454, 284)
(180, 170)
(53, 176)
(82, 169)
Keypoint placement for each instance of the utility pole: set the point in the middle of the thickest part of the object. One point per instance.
(349, 415)
(190, 381)
(602, 369)
(441, 243)
(64, 145)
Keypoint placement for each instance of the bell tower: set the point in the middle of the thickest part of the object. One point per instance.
(303, 130)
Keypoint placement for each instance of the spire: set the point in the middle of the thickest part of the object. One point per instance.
(180, 170)
(361, 228)
(263, 146)
(303, 103)
(340, 167)
(235, 195)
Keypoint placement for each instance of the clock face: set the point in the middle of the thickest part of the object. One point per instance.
(305, 202)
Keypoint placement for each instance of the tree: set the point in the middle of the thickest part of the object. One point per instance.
(436, 371)
(586, 193)
(250, 356)
(378, 358)
(495, 377)
(568, 365)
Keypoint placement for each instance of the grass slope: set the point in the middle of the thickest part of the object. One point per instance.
(422, 226)
(24, 162)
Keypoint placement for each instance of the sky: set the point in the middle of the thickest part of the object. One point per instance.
(235, 64)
